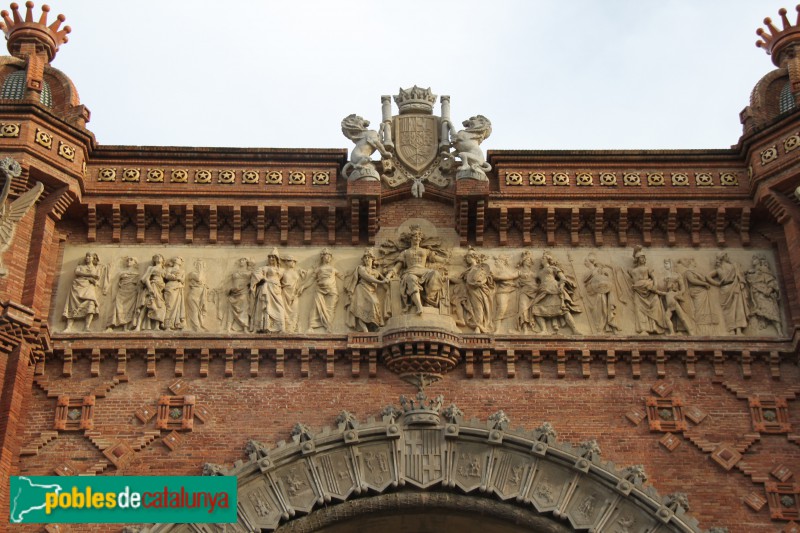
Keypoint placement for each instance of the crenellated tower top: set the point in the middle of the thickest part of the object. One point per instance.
(28, 30)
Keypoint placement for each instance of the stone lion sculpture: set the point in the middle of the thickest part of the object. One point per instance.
(466, 144)
(366, 142)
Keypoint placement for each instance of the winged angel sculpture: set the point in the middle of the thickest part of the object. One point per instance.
(12, 212)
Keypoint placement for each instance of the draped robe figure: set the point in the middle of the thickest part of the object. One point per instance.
(269, 311)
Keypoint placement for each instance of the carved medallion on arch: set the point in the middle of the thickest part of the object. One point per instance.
(422, 445)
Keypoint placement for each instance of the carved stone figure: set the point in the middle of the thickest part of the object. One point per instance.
(528, 288)
(150, 307)
(82, 301)
(364, 309)
(466, 144)
(649, 316)
(764, 294)
(366, 142)
(505, 287)
(603, 296)
(269, 311)
(697, 287)
(11, 213)
(732, 293)
(238, 303)
(553, 301)
(674, 301)
(125, 295)
(478, 303)
(291, 284)
(175, 308)
(415, 260)
(197, 297)
(326, 292)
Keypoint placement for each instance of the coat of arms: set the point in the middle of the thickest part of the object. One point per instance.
(416, 145)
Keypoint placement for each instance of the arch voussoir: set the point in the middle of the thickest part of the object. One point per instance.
(425, 448)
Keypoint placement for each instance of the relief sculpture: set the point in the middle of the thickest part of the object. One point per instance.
(269, 311)
(365, 312)
(326, 292)
(603, 295)
(416, 261)
(475, 304)
(732, 297)
(553, 302)
(697, 287)
(765, 294)
(174, 305)
(649, 313)
(197, 297)
(83, 301)
(237, 302)
(150, 307)
(509, 292)
(125, 295)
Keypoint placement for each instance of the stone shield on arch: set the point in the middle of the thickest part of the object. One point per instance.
(416, 140)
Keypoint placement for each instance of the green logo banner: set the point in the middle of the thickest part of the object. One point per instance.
(122, 499)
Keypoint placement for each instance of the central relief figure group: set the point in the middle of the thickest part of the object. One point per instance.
(416, 276)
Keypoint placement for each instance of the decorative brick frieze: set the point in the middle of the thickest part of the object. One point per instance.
(770, 415)
(176, 413)
(74, 413)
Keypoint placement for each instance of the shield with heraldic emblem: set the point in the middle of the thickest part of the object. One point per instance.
(416, 140)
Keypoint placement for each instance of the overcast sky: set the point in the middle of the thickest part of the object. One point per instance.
(549, 74)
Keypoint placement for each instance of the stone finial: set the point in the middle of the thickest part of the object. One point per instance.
(590, 449)
(347, 420)
(21, 31)
(635, 474)
(777, 40)
(499, 420)
(677, 500)
(301, 433)
(212, 469)
(546, 433)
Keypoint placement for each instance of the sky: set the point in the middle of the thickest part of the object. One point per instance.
(549, 74)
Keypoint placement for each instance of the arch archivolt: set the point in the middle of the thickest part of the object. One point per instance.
(423, 446)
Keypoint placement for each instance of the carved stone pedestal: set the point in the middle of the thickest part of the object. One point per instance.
(421, 348)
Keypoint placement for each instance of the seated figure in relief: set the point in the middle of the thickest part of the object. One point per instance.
(416, 262)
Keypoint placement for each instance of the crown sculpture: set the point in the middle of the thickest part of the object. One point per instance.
(19, 32)
(416, 146)
(776, 41)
